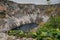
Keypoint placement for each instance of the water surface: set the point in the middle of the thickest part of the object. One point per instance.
(26, 27)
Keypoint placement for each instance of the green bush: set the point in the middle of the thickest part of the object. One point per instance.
(17, 33)
(50, 31)
(47, 32)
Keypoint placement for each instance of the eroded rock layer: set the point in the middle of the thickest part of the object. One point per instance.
(15, 14)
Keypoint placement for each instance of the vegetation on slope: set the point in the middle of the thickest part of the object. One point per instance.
(50, 31)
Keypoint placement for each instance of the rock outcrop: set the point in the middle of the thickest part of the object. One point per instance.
(18, 14)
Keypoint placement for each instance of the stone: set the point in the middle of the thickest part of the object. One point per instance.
(3, 36)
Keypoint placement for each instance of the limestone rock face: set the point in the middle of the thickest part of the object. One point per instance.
(3, 36)
(18, 14)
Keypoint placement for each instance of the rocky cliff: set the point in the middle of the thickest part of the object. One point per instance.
(13, 14)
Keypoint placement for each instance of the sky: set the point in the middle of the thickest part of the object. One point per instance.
(37, 1)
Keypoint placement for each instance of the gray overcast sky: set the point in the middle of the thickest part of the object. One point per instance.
(37, 1)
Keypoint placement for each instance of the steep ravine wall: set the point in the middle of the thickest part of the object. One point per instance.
(18, 14)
